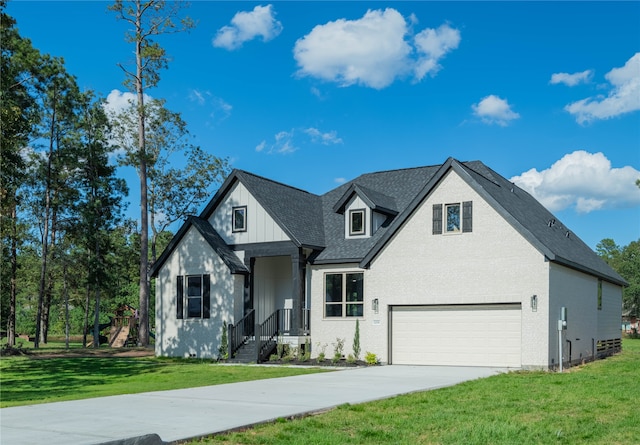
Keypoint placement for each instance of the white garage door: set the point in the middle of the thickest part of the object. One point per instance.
(473, 335)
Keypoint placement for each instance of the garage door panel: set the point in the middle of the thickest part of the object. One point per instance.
(479, 335)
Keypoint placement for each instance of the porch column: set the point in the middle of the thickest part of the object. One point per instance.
(250, 262)
(298, 261)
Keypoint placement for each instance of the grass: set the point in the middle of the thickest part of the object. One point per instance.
(596, 403)
(29, 380)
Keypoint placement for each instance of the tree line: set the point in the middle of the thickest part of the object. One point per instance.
(69, 254)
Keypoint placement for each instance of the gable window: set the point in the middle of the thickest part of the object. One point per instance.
(452, 218)
(356, 222)
(193, 296)
(452, 223)
(344, 295)
(239, 219)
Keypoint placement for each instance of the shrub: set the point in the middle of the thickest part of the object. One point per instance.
(223, 350)
(356, 341)
(370, 358)
(306, 355)
(322, 354)
(338, 347)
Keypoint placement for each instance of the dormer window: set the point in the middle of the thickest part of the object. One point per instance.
(357, 222)
(239, 219)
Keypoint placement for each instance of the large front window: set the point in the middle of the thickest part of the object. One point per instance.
(344, 295)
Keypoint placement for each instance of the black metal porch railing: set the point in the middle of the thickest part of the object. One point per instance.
(265, 334)
(241, 332)
(268, 337)
(285, 326)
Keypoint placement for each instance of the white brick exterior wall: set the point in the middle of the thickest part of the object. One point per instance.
(492, 264)
(195, 337)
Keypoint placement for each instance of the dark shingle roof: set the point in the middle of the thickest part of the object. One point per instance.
(376, 201)
(411, 186)
(401, 186)
(296, 211)
(213, 239)
(539, 226)
(315, 221)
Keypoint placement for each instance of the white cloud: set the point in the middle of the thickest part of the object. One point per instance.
(283, 144)
(290, 141)
(261, 146)
(585, 181)
(118, 101)
(432, 45)
(494, 110)
(197, 96)
(245, 26)
(624, 96)
(339, 180)
(372, 51)
(571, 80)
(220, 109)
(328, 138)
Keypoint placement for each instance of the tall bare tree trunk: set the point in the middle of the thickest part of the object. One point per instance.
(45, 234)
(96, 320)
(11, 323)
(143, 310)
(66, 306)
(48, 295)
(85, 328)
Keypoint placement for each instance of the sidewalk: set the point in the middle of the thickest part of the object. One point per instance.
(195, 412)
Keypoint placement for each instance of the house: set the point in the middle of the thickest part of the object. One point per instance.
(449, 264)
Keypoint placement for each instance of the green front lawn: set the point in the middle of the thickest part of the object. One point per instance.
(30, 380)
(597, 403)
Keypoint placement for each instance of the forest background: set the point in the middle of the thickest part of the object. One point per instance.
(70, 255)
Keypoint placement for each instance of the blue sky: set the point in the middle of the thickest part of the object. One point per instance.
(315, 93)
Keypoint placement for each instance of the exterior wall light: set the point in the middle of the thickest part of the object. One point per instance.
(534, 303)
(375, 305)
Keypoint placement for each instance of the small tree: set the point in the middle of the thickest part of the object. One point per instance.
(356, 341)
(223, 350)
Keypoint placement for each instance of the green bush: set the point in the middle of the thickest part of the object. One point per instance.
(370, 358)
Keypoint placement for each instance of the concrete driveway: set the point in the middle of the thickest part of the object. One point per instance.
(195, 412)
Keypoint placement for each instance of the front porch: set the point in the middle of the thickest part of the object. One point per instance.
(251, 342)
(275, 307)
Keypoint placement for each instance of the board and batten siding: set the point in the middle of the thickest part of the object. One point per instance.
(490, 265)
(195, 337)
(261, 227)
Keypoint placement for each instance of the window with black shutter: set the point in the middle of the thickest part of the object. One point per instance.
(467, 216)
(437, 219)
(193, 296)
(180, 297)
(206, 296)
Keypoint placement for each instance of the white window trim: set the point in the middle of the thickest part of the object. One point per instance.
(243, 209)
(344, 301)
(364, 222)
(187, 297)
(445, 229)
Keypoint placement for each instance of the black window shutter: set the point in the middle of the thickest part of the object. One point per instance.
(180, 297)
(437, 219)
(206, 296)
(467, 216)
